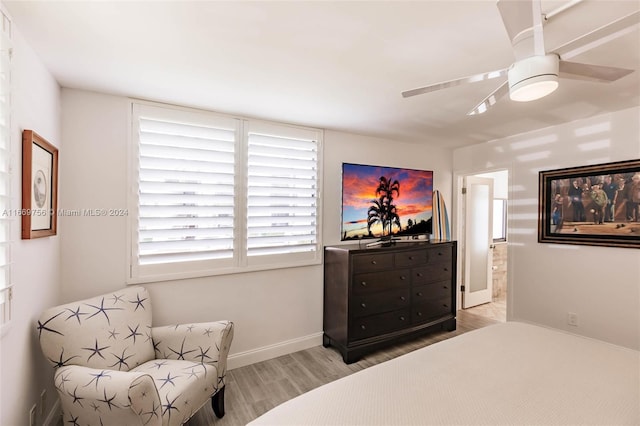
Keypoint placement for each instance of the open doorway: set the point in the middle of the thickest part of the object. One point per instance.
(482, 234)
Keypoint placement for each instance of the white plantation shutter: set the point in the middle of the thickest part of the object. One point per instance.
(217, 194)
(186, 178)
(5, 181)
(282, 190)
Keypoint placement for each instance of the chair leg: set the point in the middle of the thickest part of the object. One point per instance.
(217, 402)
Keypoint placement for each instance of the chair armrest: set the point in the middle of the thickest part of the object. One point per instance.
(95, 396)
(206, 342)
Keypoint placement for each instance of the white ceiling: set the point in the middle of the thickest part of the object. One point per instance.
(334, 65)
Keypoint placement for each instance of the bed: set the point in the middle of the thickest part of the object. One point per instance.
(505, 374)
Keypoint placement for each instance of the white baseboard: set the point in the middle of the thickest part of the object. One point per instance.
(272, 351)
(54, 415)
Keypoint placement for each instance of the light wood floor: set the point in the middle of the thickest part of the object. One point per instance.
(496, 310)
(255, 389)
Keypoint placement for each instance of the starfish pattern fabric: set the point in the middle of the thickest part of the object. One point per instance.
(114, 367)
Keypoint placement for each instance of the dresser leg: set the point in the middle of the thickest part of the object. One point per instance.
(350, 358)
(450, 325)
(326, 341)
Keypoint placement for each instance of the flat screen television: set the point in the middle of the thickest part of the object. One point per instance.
(385, 202)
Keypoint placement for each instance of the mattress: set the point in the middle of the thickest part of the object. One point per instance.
(506, 374)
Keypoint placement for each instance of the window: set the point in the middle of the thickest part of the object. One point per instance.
(5, 175)
(218, 194)
(282, 192)
(499, 220)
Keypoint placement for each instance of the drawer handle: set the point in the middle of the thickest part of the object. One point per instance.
(373, 262)
(364, 305)
(444, 305)
(401, 318)
(440, 253)
(402, 277)
(363, 283)
(420, 294)
(363, 327)
(445, 287)
(419, 314)
(410, 257)
(419, 274)
(402, 298)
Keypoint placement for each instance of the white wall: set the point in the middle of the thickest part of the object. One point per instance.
(546, 281)
(349, 148)
(275, 312)
(36, 263)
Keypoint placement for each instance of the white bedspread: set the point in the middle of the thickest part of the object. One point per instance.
(511, 374)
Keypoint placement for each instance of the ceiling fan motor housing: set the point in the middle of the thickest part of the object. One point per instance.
(533, 78)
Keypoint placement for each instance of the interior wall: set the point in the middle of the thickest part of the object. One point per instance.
(35, 265)
(348, 148)
(546, 281)
(274, 311)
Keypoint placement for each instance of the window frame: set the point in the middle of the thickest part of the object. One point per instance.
(240, 262)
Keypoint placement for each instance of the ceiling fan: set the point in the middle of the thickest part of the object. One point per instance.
(535, 72)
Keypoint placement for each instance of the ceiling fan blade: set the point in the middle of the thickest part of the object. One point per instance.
(578, 71)
(523, 22)
(456, 82)
(517, 16)
(598, 36)
(491, 100)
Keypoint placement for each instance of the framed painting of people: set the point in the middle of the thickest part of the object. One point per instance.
(39, 186)
(591, 205)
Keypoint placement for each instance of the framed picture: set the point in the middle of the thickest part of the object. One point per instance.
(592, 205)
(39, 186)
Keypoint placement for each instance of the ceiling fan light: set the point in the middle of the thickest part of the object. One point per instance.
(535, 88)
(533, 78)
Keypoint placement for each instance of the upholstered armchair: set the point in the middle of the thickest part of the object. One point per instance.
(113, 368)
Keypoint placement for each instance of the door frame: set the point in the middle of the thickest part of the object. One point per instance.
(458, 229)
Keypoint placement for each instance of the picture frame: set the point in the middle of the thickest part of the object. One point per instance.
(39, 186)
(596, 205)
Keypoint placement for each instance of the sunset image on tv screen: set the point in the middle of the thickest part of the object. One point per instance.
(382, 201)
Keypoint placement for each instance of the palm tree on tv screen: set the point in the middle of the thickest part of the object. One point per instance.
(383, 210)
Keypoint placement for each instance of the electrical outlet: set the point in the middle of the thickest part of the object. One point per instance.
(32, 416)
(43, 401)
(572, 319)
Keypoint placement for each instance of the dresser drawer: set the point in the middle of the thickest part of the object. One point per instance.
(440, 254)
(376, 303)
(428, 274)
(372, 262)
(430, 309)
(439, 290)
(378, 281)
(374, 325)
(411, 258)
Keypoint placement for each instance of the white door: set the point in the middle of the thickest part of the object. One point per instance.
(478, 241)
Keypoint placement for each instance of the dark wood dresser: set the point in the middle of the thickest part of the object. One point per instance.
(377, 296)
